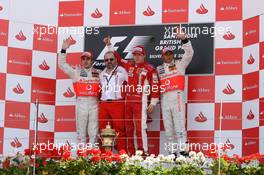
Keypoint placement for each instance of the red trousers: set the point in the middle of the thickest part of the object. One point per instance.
(136, 118)
(114, 112)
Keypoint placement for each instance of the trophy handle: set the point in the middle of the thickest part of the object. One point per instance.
(114, 141)
(99, 136)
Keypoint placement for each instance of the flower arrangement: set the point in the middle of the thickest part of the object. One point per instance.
(59, 161)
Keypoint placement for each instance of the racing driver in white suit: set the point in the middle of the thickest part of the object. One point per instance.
(171, 74)
(87, 87)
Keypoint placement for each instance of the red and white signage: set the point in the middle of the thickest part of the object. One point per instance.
(122, 13)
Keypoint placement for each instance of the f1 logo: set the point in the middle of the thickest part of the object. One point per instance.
(135, 41)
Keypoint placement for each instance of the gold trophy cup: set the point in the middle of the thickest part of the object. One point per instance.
(108, 137)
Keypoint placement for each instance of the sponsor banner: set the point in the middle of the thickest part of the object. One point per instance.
(251, 86)
(122, 13)
(228, 61)
(174, 11)
(201, 89)
(250, 142)
(250, 114)
(251, 31)
(227, 10)
(15, 140)
(233, 140)
(155, 38)
(71, 13)
(231, 116)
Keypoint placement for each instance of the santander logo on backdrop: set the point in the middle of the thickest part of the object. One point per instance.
(44, 66)
(68, 93)
(250, 60)
(250, 115)
(42, 118)
(229, 36)
(96, 14)
(1, 8)
(231, 146)
(18, 89)
(16, 143)
(228, 90)
(148, 12)
(20, 36)
(200, 118)
(201, 10)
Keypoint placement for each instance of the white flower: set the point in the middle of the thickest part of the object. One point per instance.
(148, 162)
(161, 156)
(123, 156)
(139, 152)
(136, 158)
(208, 164)
(170, 157)
(181, 159)
(157, 160)
(192, 154)
(200, 154)
(152, 155)
(202, 159)
(149, 158)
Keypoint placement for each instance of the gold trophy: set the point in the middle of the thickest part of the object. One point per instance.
(108, 137)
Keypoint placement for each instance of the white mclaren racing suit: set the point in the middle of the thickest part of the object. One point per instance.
(172, 98)
(86, 86)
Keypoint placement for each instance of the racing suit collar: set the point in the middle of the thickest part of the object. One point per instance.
(140, 64)
(88, 69)
(170, 64)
